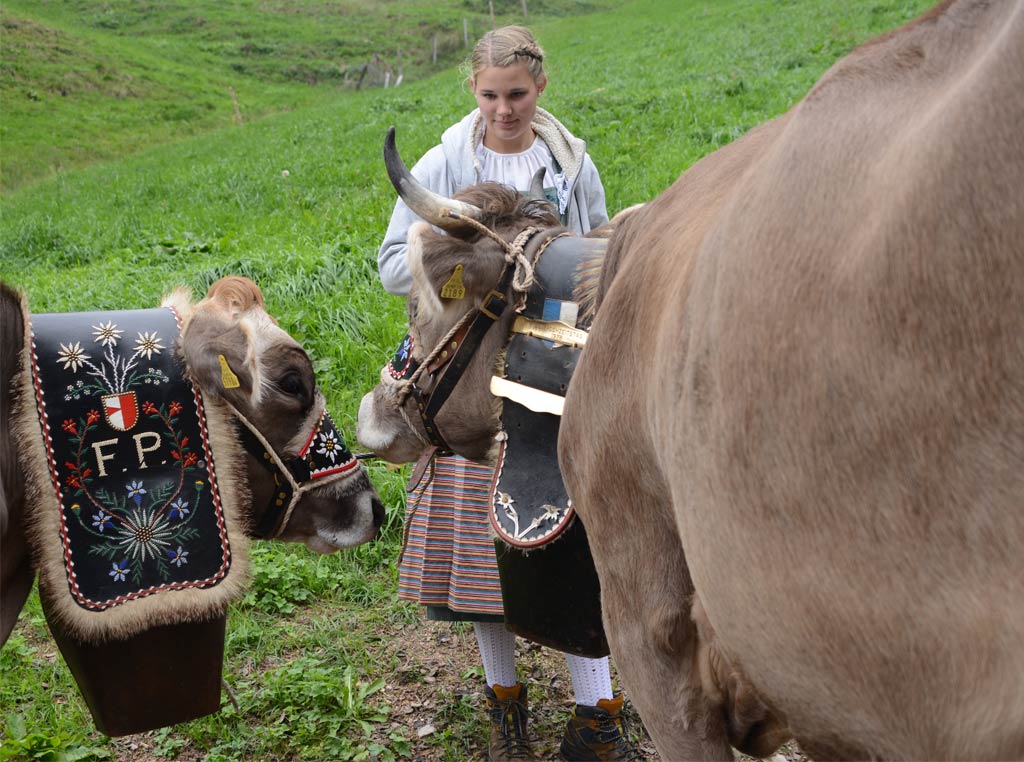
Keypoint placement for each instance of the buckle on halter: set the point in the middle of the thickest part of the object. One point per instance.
(493, 305)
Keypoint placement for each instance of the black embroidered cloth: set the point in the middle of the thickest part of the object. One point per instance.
(529, 504)
(549, 585)
(129, 458)
(403, 365)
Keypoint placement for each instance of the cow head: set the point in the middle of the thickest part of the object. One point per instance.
(242, 360)
(462, 277)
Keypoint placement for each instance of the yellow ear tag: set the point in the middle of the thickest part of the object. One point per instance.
(227, 377)
(454, 288)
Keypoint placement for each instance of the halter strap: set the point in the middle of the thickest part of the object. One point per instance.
(293, 476)
(452, 355)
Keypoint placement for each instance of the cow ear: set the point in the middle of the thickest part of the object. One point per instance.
(217, 357)
(447, 270)
(235, 295)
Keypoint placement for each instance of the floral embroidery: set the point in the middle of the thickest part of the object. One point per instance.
(144, 522)
(106, 333)
(177, 557)
(73, 356)
(119, 571)
(113, 374)
(135, 492)
(329, 445)
(148, 344)
(102, 520)
(403, 364)
(140, 510)
(179, 509)
(143, 533)
(403, 350)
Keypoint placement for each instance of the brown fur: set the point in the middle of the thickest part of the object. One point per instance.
(809, 347)
(796, 434)
(237, 294)
(16, 574)
(230, 321)
(503, 207)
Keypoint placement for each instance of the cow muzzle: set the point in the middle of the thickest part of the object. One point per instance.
(382, 428)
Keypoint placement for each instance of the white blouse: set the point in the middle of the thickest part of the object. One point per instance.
(516, 170)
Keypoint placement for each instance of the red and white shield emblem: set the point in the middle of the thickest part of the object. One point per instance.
(121, 410)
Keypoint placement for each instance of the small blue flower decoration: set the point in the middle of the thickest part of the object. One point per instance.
(135, 492)
(102, 520)
(403, 350)
(119, 571)
(178, 556)
(179, 509)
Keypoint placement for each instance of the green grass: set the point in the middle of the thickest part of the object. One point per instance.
(108, 79)
(652, 85)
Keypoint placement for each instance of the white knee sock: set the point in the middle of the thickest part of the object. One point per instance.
(591, 679)
(498, 651)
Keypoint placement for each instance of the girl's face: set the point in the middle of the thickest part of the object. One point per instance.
(507, 97)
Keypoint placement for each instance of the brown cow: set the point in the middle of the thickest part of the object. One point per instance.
(276, 392)
(796, 434)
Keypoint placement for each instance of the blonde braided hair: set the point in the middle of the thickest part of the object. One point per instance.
(507, 46)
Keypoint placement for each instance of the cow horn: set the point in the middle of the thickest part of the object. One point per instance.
(429, 205)
(537, 186)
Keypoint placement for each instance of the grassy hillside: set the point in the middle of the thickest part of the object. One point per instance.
(299, 201)
(82, 81)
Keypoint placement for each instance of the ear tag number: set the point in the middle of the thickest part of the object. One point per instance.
(454, 288)
(227, 377)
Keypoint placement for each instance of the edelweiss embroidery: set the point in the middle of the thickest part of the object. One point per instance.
(141, 525)
(551, 514)
(326, 452)
(114, 375)
(128, 456)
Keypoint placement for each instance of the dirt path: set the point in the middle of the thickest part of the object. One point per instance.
(436, 686)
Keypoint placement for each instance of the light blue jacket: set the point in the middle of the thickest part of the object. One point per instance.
(452, 166)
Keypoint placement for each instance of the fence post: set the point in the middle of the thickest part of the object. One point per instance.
(433, 58)
(465, 33)
(491, 4)
(234, 103)
(526, 15)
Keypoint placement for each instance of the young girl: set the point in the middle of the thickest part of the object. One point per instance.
(449, 564)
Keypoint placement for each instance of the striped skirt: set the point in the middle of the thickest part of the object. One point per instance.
(449, 556)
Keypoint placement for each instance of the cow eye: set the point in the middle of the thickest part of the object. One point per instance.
(291, 384)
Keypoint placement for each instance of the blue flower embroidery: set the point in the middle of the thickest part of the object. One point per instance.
(135, 492)
(179, 509)
(102, 520)
(403, 351)
(119, 570)
(178, 556)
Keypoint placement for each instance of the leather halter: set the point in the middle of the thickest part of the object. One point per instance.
(293, 476)
(462, 346)
(454, 352)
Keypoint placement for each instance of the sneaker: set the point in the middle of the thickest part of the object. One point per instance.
(507, 708)
(599, 733)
